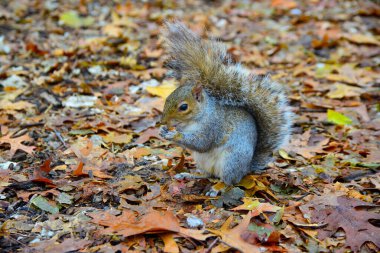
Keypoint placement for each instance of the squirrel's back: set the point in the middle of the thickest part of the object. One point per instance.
(208, 63)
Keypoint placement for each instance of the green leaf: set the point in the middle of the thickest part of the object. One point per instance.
(370, 165)
(44, 204)
(72, 19)
(64, 198)
(81, 132)
(277, 218)
(338, 118)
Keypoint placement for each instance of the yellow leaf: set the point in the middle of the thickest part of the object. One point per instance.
(112, 30)
(20, 105)
(164, 90)
(338, 118)
(285, 155)
(72, 19)
(362, 39)
(342, 90)
(118, 138)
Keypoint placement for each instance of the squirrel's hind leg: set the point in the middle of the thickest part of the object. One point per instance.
(235, 168)
(261, 160)
(237, 161)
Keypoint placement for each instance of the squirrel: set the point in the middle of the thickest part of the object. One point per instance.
(231, 120)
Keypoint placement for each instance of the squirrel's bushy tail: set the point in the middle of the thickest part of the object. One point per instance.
(208, 63)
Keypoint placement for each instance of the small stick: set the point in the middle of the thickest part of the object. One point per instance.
(212, 245)
(58, 134)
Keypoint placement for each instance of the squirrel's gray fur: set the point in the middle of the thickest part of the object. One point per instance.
(235, 91)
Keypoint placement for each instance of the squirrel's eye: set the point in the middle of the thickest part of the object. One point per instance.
(183, 107)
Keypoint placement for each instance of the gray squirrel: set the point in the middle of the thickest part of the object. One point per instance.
(231, 121)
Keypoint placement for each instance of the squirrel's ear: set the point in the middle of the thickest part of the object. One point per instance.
(197, 92)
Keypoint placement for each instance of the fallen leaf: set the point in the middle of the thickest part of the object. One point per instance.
(127, 223)
(20, 105)
(164, 90)
(80, 101)
(338, 118)
(286, 4)
(45, 167)
(342, 90)
(303, 146)
(256, 207)
(261, 233)
(362, 39)
(68, 245)
(16, 143)
(39, 174)
(43, 204)
(342, 212)
(233, 237)
(169, 242)
(72, 19)
(149, 133)
(79, 170)
(253, 184)
(118, 138)
(230, 198)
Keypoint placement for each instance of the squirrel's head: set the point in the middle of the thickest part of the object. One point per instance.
(183, 105)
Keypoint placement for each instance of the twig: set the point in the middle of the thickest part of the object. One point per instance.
(32, 124)
(212, 245)
(58, 134)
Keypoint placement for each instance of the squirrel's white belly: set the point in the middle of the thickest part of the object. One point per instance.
(212, 162)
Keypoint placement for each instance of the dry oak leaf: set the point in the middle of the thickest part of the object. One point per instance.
(16, 143)
(128, 224)
(305, 146)
(233, 237)
(149, 133)
(68, 245)
(346, 213)
(169, 242)
(256, 207)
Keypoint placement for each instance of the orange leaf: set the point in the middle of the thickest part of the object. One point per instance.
(285, 4)
(16, 143)
(38, 174)
(147, 134)
(79, 170)
(170, 245)
(46, 166)
(127, 223)
(232, 237)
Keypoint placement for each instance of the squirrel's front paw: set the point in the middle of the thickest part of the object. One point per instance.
(168, 134)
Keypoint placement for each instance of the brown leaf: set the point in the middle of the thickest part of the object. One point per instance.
(233, 237)
(69, 244)
(79, 170)
(256, 207)
(30, 46)
(19, 105)
(170, 244)
(342, 212)
(16, 143)
(39, 178)
(285, 4)
(147, 134)
(127, 223)
(118, 138)
(46, 166)
(305, 146)
(362, 39)
(39, 174)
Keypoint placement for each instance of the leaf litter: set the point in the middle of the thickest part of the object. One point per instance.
(83, 168)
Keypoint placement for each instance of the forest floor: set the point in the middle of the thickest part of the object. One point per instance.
(83, 169)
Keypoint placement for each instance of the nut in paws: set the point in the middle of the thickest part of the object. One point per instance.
(167, 134)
